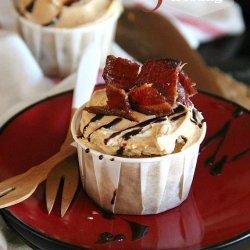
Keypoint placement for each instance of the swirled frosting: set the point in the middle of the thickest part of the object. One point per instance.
(63, 13)
(148, 136)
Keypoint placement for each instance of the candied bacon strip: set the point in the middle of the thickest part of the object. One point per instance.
(120, 72)
(183, 97)
(155, 91)
(185, 88)
(163, 74)
(117, 98)
(117, 104)
(187, 83)
(106, 110)
(147, 99)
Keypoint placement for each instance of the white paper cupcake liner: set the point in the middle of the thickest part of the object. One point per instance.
(58, 50)
(136, 186)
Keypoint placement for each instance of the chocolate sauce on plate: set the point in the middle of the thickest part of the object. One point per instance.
(138, 230)
(109, 237)
(216, 167)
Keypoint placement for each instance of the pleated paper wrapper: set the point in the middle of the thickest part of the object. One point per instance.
(58, 50)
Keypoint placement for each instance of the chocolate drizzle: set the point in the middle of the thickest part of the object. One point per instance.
(216, 167)
(184, 139)
(108, 125)
(113, 198)
(179, 109)
(131, 133)
(139, 126)
(238, 112)
(108, 237)
(29, 8)
(70, 2)
(120, 151)
(178, 112)
(80, 136)
(175, 118)
(221, 133)
(138, 230)
(52, 22)
(107, 214)
(126, 137)
(195, 120)
(119, 237)
(241, 154)
(94, 119)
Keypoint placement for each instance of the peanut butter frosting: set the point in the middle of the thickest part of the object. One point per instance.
(146, 137)
(63, 13)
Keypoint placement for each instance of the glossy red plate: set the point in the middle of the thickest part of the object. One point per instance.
(215, 213)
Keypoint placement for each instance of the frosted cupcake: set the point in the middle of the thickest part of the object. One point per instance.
(58, 31)
(138, 139)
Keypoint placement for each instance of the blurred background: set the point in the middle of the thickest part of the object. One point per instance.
(231, 53)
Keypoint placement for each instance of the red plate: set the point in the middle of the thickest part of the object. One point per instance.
(216, 211)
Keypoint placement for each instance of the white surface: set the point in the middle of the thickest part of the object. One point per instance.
(27, 81)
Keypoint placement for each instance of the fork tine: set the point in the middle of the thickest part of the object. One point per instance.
(68, 171)
(8, 186)
(15, 195)
(70, 185)
(9, 183)
(6, 191)
(52, 186)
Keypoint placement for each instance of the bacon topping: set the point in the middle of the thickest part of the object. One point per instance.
(154, 91)
(117, 104)
(163, 74)
(147, 99)
(187, 84)
(183, 96)
(120, 72)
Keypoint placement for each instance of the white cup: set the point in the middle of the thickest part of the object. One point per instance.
(136, 186)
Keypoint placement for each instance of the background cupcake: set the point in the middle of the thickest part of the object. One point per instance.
(58, 31)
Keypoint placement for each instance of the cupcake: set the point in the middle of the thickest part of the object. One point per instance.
(58, 31)
(138, 138)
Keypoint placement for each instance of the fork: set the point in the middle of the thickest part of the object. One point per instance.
(68, 172)
(18, 188)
